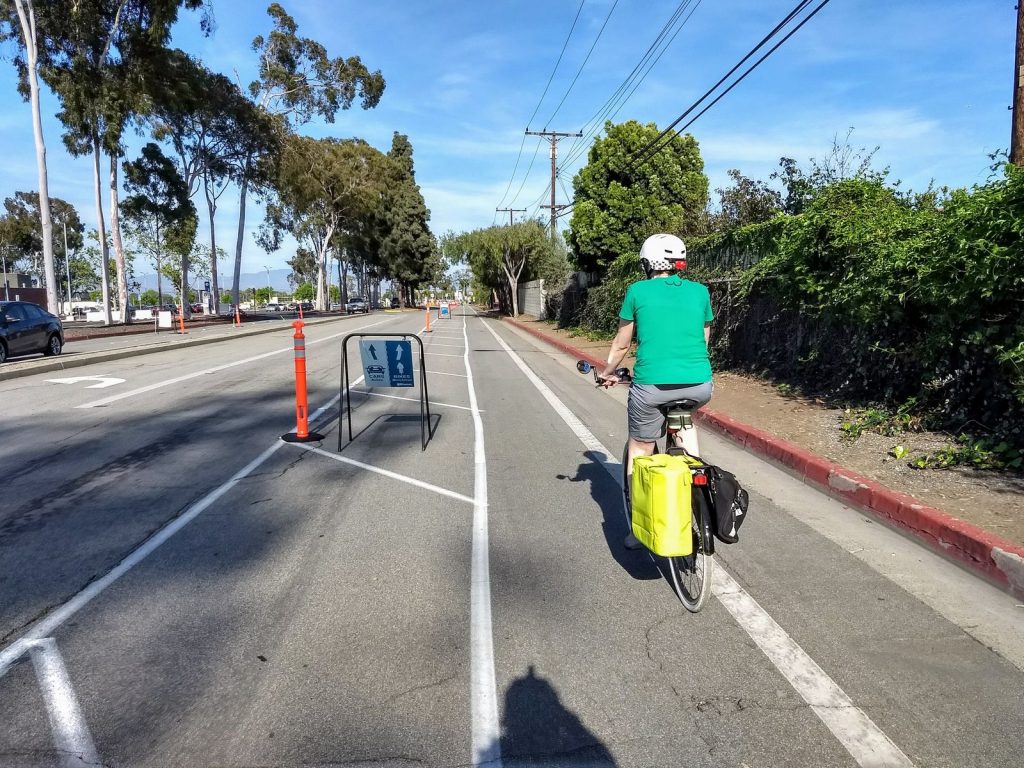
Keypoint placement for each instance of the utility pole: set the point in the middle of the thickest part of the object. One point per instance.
(1017, 132)
(553, 137)
(510, 212)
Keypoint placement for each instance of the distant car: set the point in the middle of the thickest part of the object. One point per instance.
(357, 305)
(335, 307)
(27, 328)
(307, 306)
(372, 369)
(395, 304)
(274, 307)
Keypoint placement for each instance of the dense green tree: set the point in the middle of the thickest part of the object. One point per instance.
(620, 202)
(21, 235)
(303, 266)
(323, 188)
(160, 215)
(501, 257)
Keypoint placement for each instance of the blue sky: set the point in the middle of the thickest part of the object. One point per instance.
(929, 82)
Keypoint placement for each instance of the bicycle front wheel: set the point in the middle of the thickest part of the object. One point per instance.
(691, 575)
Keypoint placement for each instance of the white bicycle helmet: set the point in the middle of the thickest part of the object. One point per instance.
(662, 253)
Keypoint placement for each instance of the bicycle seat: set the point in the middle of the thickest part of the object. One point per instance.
(686, 404)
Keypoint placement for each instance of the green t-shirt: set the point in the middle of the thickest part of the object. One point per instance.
(670, 314)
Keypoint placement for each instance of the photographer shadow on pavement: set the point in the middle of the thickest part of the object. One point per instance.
(537, 727)
(608, 495)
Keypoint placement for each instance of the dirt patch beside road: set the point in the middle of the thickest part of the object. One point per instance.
(991, 501)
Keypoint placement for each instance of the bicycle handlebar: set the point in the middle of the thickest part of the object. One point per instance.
(585, 367)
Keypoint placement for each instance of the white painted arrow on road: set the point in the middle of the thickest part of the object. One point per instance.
(104, 381)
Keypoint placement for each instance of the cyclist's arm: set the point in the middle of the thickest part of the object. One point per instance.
(620, 346)
(707, 333)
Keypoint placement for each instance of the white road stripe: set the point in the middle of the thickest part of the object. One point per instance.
(385, 472)
(441, 354)
(435, 344)
(486, 728)
(50, 623)
(71, 735)
(442, 373)
(410, 399)
(215, 369)
(864, 740)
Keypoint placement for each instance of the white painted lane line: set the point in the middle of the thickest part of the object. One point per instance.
(435, 344)
(215, 369)
(443, 373)
(71, 735)
(868, 745)
(384, 472)
(50, 623)
(486, 728)
(441, 354)
(864, 740)
(410, 399)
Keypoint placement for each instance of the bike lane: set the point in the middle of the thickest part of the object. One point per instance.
(893, 656)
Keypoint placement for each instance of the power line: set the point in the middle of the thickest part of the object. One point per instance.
(580, 70)
(541, 101)
(644, 155)
(605, 111)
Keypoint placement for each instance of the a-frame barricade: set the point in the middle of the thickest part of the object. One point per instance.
(386, 363)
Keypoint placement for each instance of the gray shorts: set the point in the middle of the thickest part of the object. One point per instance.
(646, 422)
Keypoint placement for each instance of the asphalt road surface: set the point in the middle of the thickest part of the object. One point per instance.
(180, 587)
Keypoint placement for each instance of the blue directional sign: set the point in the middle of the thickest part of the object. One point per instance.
(445, 313)
(387, 363)
(400, 366)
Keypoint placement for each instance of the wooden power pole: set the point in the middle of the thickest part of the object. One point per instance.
(553, 137)
(1017, 134)
(510, 212)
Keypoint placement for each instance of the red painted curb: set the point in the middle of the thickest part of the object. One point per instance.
(992, 557)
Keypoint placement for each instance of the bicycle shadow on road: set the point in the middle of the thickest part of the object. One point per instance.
(536, 727)
(608, 495)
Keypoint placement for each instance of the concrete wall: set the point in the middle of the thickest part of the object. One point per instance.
(531, 298)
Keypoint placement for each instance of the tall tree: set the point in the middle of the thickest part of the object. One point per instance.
(20, 15)
(297, 81)
(324, 187)
(99, 55)
(620, 202)
(160, 214)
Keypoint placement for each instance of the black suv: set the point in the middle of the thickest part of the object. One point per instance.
(26, 328)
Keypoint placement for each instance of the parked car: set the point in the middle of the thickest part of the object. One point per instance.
(274, 307)
(27, 328)
(357, 305)
(395, 304)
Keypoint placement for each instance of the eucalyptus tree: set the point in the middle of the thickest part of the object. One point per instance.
(160, 214)
(324, 187)
(19, 21)
(297, 81)
(100, 55)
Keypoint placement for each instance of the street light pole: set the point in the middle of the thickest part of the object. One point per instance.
(7, 290)
(269, 289)
(67, 266)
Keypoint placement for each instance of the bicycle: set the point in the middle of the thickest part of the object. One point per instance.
(690, 575)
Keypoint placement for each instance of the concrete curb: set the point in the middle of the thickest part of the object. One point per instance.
(999, 561)
(65, 361)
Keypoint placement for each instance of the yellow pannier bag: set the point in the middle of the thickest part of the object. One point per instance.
(661, 496)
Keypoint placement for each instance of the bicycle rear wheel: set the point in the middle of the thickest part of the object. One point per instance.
(691, 575)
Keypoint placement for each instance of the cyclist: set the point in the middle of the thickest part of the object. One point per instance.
(672, 319)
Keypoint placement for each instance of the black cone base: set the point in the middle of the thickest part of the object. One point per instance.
(293, 437)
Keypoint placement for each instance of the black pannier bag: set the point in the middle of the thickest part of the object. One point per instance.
(729, 503)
